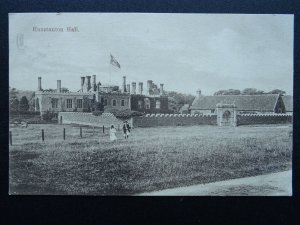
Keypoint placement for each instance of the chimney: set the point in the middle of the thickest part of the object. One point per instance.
(133, 85)
(94, 83)
(141, 88)
(149, 86)
(39, 83)
(98, 86)
(82, 83)
(198, 93)
(161, 89)
(124, 84)
(128, 88)
(88, 86)
(58, 86)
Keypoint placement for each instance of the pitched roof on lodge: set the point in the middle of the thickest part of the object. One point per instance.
(266, 102)
(288, 102)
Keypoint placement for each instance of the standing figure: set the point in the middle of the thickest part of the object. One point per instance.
(128, 128)
(112, 133)
(125, 130)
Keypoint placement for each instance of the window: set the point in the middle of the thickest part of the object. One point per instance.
(147, 103)
(105, 101)
(54, 102)
(114, 102)
(140, 104)
(122, 102)
(69, 103)
(79, 103)
(37, 105)
(157, 104)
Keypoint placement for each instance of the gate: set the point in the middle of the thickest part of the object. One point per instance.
(226, 114)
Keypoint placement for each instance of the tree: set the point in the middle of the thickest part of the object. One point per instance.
(277, 91)
(49, 90)
(177, 100)
(173, 105)
(64, 89)
(31, 103)
(14, 105)
(13, 100)
(228, 92)
(220, 92)
(252, 91)
(98, 106)
(48, 115)
(23, 105)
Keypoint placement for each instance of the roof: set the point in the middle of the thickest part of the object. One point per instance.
(185, 107)
(288, 102)
(266, 102)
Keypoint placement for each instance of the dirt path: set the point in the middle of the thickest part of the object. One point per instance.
(274, 184)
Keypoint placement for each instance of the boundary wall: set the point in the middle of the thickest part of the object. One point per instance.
(153, 120)
(248, 119)
(106, 119)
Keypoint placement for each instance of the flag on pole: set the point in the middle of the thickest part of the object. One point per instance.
(114, 62)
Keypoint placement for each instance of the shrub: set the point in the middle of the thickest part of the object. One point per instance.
(14, 105)
(29, 113)
(23, 105)
(98, 106)
(49, 115)
(124, 114)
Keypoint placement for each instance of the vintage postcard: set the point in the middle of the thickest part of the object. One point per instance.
(150, 104)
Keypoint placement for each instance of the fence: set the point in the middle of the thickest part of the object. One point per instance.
(67, 134)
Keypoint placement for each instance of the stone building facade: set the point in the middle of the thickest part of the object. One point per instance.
(58, 101)
(153, 100)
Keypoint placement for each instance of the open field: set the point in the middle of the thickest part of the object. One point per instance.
(151, 159)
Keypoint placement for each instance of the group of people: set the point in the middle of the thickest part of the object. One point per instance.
(113, 131)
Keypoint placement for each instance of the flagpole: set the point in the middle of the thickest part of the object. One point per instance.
(109, 74)
(110, 70)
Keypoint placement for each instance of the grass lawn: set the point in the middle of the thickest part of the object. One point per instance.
(151, 159)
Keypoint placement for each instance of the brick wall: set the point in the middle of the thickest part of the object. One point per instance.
(106, 119)
(248, 119)
(152, 120)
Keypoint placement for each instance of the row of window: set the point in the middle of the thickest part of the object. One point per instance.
(148, 103)
(54, 102)
(113, 102)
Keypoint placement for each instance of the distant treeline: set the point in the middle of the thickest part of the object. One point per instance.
(21, 101)
(248, 91)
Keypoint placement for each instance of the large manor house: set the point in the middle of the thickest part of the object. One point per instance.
(151, 100)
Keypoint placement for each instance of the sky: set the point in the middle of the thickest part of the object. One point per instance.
(185, 52)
